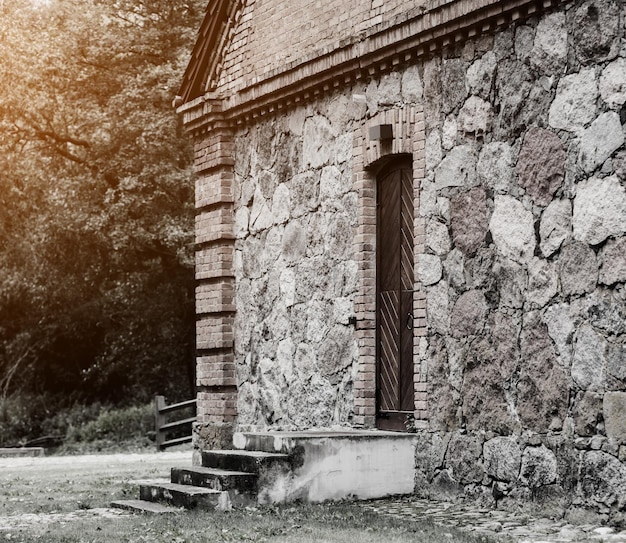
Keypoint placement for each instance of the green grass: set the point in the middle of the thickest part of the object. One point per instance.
(337, 523)
(62, 493)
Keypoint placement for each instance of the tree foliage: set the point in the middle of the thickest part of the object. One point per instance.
(96, 219)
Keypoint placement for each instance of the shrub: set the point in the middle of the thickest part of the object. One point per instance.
(79, 428)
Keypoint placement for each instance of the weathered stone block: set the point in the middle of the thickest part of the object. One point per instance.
(604, 309)
(555, 226)
(505, 333)
(317, 145)
(512, 282)
(469, 313)
(587, 413)
(603, 478)
(304, 192)
(600, 140)
(430, 449)
(437, 237)
(599, 210)
(543, 386)
(485, 407)
(502, 457)
(443, 400)
(512, 229)
(437, 307)
(480, 75)
(524, 38)
(412, 88)
(539, 467)
(429, 269)
(614, 410)
(475, 116)
(613, 83)
(543, 282)
(469, 220)
(574, 105)
(613, 262)
(478, 270)
(445, 487)
(495, 166)
(453, 266)
(523, 101)
(541, 164)
(578, 269)
(453, 88)
(589, 362)
(457, 169)
(549, 52)
(464, 458)
(561, 329)
(433, 151)
(595, 28)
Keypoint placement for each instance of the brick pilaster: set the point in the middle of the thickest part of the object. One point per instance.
(215, 280)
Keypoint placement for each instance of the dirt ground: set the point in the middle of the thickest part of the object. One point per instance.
(43, 490)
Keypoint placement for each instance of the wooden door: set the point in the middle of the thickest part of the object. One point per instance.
(394, 272)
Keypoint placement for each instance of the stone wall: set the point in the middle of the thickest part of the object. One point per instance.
(525, 268)
(295, 218)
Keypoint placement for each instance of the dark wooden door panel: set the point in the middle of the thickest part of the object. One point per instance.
(406, 399)
(395, 277)
(389, 241)
(389, 354)
(406, 234)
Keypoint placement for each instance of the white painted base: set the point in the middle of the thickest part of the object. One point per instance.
(332, 466)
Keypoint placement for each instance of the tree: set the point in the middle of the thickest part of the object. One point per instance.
(96, 218)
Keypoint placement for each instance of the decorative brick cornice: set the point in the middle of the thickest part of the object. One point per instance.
(420, 33)
(204, 113)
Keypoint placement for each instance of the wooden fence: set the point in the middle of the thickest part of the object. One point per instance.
(164, 428)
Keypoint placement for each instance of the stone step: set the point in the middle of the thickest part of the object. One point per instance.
(187, 496)
(245, 461)
(235, 482)
(142, 506)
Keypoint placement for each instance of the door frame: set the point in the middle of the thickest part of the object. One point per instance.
(392, 419)
(368, 157)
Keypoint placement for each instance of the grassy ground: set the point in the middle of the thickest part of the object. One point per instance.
(60, 499)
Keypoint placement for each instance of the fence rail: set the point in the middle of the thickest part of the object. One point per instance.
(164, 428)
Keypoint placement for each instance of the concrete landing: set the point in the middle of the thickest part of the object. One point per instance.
(327, 465)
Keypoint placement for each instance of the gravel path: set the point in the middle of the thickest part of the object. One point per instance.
(509, 526)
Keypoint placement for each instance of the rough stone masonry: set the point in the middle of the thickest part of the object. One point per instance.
(525, 263)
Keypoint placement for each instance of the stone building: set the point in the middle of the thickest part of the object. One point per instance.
(411, 216)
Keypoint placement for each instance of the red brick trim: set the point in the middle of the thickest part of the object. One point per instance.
(409, 138)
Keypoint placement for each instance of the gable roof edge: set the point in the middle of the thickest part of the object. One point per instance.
(208, 49)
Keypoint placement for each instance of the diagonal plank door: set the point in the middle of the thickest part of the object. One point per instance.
(395, 277)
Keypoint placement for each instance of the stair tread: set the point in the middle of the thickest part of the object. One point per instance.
(216, 471)
(144, 506)
(187, 489)
(250, 454)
